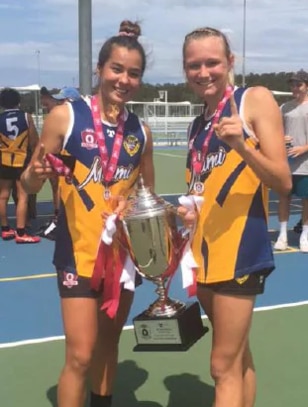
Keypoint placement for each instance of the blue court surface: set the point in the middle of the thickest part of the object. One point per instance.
(32, 349)
(29, 304)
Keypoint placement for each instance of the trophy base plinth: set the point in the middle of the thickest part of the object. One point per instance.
(162, 333)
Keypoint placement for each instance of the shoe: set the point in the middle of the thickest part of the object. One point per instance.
(27, 239)
(303, 244)
(298, 228)
(48, 230)
(281, 243)
(8, 234)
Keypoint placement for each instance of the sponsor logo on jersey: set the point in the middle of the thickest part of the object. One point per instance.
(70, 279)
(242, 280)
(88, 139)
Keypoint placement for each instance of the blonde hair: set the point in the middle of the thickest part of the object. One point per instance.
(209, 32)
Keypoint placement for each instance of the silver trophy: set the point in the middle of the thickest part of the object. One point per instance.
(156, 246)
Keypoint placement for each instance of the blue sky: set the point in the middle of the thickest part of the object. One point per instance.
(39, 38)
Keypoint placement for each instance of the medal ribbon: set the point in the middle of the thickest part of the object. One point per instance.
(197, 157)
(109, 166)
(110, 258)
(59, 167)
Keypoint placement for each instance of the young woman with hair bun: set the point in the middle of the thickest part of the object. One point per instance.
(107, 147)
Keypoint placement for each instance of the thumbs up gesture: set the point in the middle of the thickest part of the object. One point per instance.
(230, 129)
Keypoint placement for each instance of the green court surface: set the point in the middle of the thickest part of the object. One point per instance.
(279, 339)
(169, 173)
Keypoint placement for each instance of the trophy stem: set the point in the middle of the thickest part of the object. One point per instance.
(163, 306)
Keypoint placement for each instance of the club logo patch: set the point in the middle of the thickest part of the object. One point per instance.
(69, 279)
(88, 139)
(131, 144)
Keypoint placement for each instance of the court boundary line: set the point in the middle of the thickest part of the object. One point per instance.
(28, 277)
(16, 344)
(170, 155)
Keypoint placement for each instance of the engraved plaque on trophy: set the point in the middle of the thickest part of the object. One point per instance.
(156, 246)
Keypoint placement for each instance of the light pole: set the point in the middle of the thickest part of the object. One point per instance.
(38, 54)
(244, 46)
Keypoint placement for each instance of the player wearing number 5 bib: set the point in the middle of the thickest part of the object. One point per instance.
(18, 135)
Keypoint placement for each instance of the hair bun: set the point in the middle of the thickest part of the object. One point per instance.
(130, 29)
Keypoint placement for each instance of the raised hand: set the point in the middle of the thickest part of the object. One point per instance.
(40, 167)
(230, 129)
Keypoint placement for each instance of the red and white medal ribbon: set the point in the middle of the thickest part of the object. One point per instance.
(109, 165)
(188, 262)
(59, 167)
(198, 157)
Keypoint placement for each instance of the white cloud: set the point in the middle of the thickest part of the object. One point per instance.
(276, 35)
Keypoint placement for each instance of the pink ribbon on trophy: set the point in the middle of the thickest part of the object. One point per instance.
(113, 266)
(188, 262)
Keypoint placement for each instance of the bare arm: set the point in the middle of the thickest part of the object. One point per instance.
(270, 162)
(54, 129)
(147, 165)
(264, 118)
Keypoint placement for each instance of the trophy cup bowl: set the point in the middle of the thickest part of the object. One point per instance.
(156, 245)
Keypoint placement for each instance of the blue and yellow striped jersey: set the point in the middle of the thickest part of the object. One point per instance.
(82, 204)
(14, 138)
(231, 238)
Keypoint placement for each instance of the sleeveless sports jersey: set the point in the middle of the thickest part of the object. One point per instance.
(80, 220)
(14, 137)
(231, 238)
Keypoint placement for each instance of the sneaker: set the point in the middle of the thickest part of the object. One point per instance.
(8, 234)
(281, 243)
(298, 228)
(303, 244)
(48, 230)
(27, 239)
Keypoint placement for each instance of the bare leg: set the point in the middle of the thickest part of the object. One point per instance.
(105, 360)
(303, 240)
(80, 327)
(305, 211)
(283, 216)
(5, 190)
(284, 208)
(231, 362)
(22, 206)
(249, 375)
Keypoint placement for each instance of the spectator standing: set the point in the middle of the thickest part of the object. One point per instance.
(295, 119)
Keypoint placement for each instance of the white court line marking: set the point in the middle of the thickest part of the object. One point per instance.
(171, 155)
(130, 327)
(30, 277)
